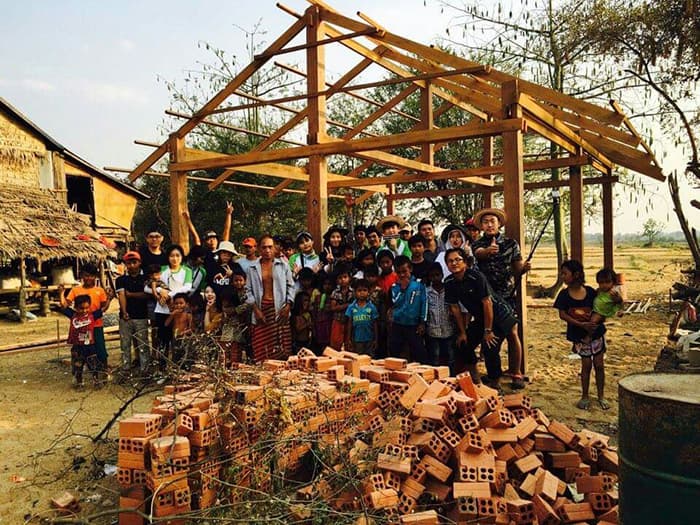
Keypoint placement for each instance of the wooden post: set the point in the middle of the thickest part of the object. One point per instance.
(513, 190)
(427, 121)
(179, 232)
(390, 200)
(487, 160)
(22, 289)
(317, 194)
(576, 212)
(59, 176)
(608, 232)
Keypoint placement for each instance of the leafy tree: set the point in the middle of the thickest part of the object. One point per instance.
(651, 231)
(658, 43)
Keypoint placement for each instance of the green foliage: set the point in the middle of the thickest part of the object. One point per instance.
(651, 231)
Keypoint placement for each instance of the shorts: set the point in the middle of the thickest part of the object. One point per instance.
(589, 349)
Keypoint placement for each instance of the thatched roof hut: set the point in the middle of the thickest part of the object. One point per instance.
(28, 214)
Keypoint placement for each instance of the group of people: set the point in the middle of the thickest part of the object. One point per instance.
(382, 290)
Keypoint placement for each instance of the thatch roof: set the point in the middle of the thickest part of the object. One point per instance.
(27, 214)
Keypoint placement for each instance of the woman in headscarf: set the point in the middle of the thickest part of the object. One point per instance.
(452, 236)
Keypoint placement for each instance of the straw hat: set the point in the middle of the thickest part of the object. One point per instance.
(502, 217)
(388, 219)
(226, 246)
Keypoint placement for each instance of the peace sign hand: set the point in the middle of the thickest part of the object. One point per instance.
(329, 254)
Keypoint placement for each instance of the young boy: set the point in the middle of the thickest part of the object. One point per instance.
(340, 298)
(389, 226)
(408, 313)
(387, 276)
(440, 326)
(199, 273)
(361, 331)
(180, 320)
(420, 264)
(81, 335)
(99, 300)
(378, 298)
(133, 313)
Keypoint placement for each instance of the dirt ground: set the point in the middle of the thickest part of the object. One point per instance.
(46, 427)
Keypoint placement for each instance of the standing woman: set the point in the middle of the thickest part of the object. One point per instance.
(178, 279)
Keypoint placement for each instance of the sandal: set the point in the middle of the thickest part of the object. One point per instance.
(583, 403)
(517, 382)
(603, 403)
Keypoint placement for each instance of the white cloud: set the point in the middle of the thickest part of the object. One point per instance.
(34, 84)
(127, 45)
(111, 93)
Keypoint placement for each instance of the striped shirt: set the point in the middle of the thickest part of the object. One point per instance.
(440, 324)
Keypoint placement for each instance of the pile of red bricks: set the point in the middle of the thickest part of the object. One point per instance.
(427, 447)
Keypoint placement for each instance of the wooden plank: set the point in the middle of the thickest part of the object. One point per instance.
(473, 175)
(608, 232)
(631, 158)
(513, 189)
(178, 197)
(576, 212)
(475, 130)
(441, 57)
(217, 99)
(375, 115)
(487, 160)
(317, 196)
(427, 122)
(592, 125)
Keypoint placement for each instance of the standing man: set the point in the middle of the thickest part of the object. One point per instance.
(133, 314)
(152, 252)
(270, 291)
(432, 247)
(488, 320)
(249, 248)
(501, 262)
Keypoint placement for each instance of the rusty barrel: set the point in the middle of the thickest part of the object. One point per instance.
(659, 449)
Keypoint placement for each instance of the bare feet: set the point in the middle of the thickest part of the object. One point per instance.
(583, 403)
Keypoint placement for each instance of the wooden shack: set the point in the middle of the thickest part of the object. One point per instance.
(30, 158)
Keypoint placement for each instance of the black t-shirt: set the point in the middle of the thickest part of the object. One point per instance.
(148, 258)
(470, 291)
(222, 282)
(136, 308)
(420, 270)
(579, 309)
(211, 264)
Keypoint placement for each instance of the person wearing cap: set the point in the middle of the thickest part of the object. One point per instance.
(306, 256)
(270, 292)
(406, 231)
(222, 276)
(249, 248)
(133, 314)
(432, 246)
(502, 263)
(390, 226)
(473, 231)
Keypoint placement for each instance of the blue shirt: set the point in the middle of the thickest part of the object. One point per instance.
(363, 318)
(410, 306)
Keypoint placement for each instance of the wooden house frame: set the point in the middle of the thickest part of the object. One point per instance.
(501, 106)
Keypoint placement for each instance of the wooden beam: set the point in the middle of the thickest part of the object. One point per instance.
(589, 124)
(529, 186)
(179, 232)
(317, 189)
(390, 200)
(357, 96)
(608, 228)
(631, 158)
(427, 116)
(473, 175)
(487, 160)
(628, 124)
(217, 99)
(301, 47)
(386, 107)
(474, 130)
(513, 190)
(576, 212)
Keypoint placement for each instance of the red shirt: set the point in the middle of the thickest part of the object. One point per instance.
(385, 281)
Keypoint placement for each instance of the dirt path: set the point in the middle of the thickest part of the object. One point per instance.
(46, 427)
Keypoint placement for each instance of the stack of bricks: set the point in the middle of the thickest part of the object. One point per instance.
(416, 437)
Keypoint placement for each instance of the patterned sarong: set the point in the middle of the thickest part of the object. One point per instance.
(272, 340)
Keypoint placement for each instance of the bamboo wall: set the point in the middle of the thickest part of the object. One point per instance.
(21, 155)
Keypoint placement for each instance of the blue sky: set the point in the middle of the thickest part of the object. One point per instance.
(87, 71)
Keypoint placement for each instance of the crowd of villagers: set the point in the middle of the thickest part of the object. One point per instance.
(386, 289)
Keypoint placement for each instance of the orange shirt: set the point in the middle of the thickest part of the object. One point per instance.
(97, 297)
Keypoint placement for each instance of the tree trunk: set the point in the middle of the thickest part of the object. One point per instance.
(689, 234)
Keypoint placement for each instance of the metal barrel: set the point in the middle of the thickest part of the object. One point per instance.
(659, 449)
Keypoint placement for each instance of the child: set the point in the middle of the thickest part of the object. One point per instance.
(365, 259)
(199, 273)
(322, 315)
(301, 322)
(610, 297)
(420, 264)
(133, 313)
(306, 257)
(440, 326)
(378, 299)
(408, 313)
(81, 335)
(340, 298)
(99, 300)
(575, 305)
(387, 276)
(233, 321)
(180, 322)
(306, 281)
(154, 281)
(361, 330)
